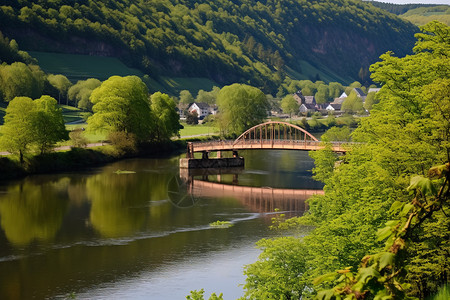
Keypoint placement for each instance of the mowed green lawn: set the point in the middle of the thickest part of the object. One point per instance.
(193, 130)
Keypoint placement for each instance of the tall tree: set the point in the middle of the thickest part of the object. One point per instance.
(48, 123)
(61, 83)
(121, 104)
(19, 80)
(241, 107)
(186, 97)
(289, 105)
(406, 134)
(17, 130)
(80, 92)
(166, 118)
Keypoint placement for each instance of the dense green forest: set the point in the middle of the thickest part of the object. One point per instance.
(254, 42)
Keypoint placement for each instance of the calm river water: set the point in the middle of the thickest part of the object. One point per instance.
(141, 234)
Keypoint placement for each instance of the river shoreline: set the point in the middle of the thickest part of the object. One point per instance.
(80, 158)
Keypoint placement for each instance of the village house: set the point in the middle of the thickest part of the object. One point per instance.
(334, 107)
(305, 108)
(306, 103)
(202, 109)
(298, 96)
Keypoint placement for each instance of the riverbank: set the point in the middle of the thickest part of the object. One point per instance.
(79, 158)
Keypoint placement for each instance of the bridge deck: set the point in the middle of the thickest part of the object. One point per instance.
(267, 144)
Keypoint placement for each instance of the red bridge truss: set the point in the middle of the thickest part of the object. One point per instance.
(269, 135)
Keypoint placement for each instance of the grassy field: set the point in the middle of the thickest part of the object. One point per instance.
(81, 67)
(192, 130)
(309, 72)
(77, 67)
(71, 114)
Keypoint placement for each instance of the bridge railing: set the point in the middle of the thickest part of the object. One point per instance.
(230, 144)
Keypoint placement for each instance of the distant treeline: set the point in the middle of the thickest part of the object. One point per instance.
(228, 41)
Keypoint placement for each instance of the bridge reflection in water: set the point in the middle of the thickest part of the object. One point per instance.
(256, 199)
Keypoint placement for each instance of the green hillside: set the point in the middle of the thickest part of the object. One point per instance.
(424, 15)
(418, 14)
(77, 67)
(80, 67)
(255, 42)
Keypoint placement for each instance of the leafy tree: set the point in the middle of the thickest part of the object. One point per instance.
(335, 89)
(370, 101)
(241, 107)
(192, 118)
(61, 83)
(17, 131)
(48, 123)
(19, 79)
(29, 123)
(289, 105)
(121, 104)
(352, 104)
(166, 118)
(278, 272)
(80, 93)
(323, 94)
(208, 97)
(186, 97)
(406, 133)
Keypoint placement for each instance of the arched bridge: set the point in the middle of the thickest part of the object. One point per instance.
(269, 135)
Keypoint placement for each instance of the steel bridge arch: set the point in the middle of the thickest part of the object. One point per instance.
(268, 131)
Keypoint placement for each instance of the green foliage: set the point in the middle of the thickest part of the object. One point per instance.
(61, 84)
(167, 120)
(77, 138)
(48, 123)
(199, 295)
(21, 80)
(382, 275)
(289, 105)
(352, 104)
(121, 104)
(406, 133)
(278, 272)
(241, 107)
(227, 41)
(17, 130)
(208, 97)
(123, 142)
(370, 101)
(424, 15)
(221, 224)
(192, 118)
(186, 97)
(80, 93)
(31, 124)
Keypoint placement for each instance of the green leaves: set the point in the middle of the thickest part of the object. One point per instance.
(423, 184)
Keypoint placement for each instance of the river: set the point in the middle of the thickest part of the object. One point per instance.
(134, 230)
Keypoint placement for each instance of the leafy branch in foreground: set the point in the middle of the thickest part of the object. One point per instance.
(381, 275)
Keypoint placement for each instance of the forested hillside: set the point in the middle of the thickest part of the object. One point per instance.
(256, 42)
